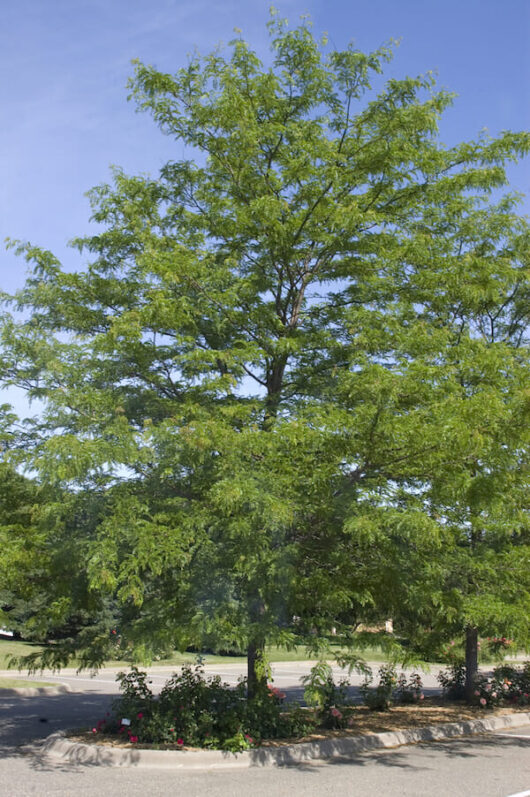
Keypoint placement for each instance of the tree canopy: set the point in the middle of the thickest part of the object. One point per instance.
(291, 359)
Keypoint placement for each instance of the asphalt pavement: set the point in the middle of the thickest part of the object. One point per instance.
(286, 676)
(494, 765)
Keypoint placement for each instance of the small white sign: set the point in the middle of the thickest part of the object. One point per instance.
(125, 721)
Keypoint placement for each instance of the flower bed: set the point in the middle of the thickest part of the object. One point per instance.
(193, 711)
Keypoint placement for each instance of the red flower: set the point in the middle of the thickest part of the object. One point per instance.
(275, 692)
(139, 715)
(180, 742)
(133, 739)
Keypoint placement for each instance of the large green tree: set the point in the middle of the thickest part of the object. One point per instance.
(248, 357)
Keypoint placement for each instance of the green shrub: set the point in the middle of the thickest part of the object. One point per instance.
(411, 691)
(508, 685)
(322, 692)
(453, 680)
(197, 711)
(379, 698)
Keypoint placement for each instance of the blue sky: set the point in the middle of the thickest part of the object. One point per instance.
(64, 66)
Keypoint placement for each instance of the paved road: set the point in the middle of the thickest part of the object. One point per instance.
(286, 676)
(495, 765)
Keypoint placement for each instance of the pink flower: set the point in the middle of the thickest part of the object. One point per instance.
(422, 696)
(336, 713)
(139, 715)
(94, 730)
(180, 742)
(477, 693)
(133, 739)
(494, 694)
(483, 701)
(249, 738)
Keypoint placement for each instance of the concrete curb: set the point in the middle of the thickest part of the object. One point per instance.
(58, 746)
(35, 691)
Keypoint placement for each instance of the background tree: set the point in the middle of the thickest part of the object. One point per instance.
(475, 486)
(248, 357)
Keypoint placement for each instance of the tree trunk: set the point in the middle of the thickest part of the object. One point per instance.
(471, 661)
(256, 679)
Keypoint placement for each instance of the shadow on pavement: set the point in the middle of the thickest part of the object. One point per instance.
(464, 748)
(28, 720)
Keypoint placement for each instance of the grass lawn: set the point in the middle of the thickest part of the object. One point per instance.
(274, 654)
(15, 683)
(9, 647)
(12, 647)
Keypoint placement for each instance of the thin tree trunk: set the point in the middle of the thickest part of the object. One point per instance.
(256, 650)
(471, 661)
(256, 680)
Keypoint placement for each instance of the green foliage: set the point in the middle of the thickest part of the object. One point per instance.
(453, 680)
(507, 686)
(380, 697)
(196, 711)
(391, 689)
(322, 691)
(409, 692)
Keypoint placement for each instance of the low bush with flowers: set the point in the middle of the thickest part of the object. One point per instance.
(380, 697)
(507, 685)
(486, 692)
(392, 689)
(453, 680)
(513, 684)
(322, 692)
(409, 692)
(196, 711)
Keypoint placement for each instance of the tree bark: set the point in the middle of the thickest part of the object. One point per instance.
(255, 682)
(471, 661)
